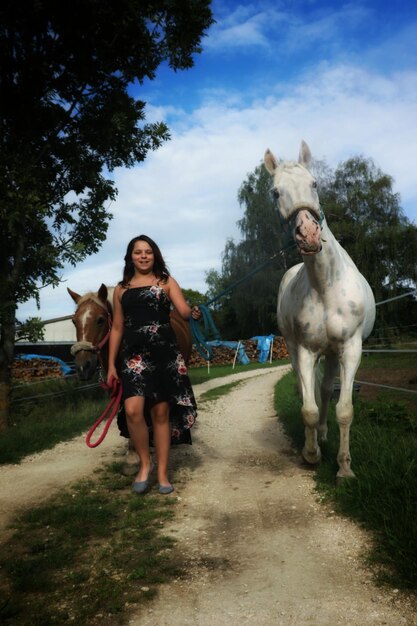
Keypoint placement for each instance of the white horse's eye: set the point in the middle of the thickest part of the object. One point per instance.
(275, 194)
(314, 184)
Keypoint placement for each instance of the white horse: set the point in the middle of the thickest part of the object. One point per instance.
(325, 307)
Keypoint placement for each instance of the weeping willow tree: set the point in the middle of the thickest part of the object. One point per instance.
(363, 213)
(250, 308)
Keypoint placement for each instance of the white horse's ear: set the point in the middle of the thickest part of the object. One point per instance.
(305, 157)
(270, 162)
(74, 296)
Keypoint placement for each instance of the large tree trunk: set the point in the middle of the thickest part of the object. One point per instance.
(7, 336)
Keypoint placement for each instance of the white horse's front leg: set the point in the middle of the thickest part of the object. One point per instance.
(349, 363)
(331, 365)
(310, 411)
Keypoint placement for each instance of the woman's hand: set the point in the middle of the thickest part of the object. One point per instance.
(112, 374)
(195, 313)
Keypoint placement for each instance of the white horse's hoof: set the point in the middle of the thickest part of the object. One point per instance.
(129, 469)
(342, 476)
(312, 458)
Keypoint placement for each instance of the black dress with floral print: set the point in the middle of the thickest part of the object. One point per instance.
(153, 366)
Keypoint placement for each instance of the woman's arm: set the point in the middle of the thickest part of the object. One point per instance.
(116, 334)
(176, 296)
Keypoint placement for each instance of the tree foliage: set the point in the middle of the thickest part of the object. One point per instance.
(363, 213)
(249, 309)
(32, 330)
(193, 297)
(68, 119)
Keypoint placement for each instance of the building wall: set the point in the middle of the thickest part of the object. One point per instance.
(59, 336)
(59, 330)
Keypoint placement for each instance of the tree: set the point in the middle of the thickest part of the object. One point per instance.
(249, 309)
(31, 330)
(193, 297)
(68, 119)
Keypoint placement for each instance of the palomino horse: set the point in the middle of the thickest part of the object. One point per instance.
(92, 320)
(325, 307)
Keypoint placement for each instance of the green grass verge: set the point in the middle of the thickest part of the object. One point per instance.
(201, 375)
(217, 392)
(383, 446)
(89, 555)
(383, 359)
(45, 414)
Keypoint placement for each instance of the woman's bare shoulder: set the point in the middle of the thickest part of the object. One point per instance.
(119, 291)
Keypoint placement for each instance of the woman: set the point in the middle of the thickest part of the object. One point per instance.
(153, 368)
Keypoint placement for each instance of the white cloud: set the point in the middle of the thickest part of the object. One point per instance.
(185, 195)
(292, 28)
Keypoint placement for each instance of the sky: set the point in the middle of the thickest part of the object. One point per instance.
(340, 75)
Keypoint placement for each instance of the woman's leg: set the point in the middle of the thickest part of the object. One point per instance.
(139, 434)
(162, 439)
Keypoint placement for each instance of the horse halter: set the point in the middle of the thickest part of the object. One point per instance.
(88, 346)
(286, 222)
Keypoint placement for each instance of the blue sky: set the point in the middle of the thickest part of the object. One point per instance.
(340, 75)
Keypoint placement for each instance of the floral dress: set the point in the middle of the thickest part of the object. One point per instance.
(153, 366)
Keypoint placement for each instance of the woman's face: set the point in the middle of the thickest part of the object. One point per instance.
(143, 257)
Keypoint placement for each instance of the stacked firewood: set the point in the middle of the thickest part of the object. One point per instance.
(225, 356)
(28, 370)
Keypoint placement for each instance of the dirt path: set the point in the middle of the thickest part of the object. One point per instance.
(260, 548)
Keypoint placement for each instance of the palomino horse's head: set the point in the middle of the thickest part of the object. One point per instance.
(92, 320)
(295, 191)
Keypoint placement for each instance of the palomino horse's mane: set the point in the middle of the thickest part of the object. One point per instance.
(93, 297)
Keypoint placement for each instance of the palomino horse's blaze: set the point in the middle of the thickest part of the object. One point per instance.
(92, 320)
(325, 307)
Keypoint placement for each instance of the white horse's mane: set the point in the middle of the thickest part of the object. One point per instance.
(287, 165)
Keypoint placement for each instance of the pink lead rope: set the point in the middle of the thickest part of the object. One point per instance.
(115, 391)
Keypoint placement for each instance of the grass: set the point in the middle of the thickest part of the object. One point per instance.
(384, 458)
(379, 360)
(47, 413)
(217, 392)
(201, 375)
(89, 555)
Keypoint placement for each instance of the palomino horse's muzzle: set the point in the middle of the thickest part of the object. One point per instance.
(86, 359)
(87, 355)
(87, 346)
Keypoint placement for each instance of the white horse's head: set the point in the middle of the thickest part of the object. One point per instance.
(293, 187)
(295, 191)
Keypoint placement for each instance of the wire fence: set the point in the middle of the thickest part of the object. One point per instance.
(71, 364)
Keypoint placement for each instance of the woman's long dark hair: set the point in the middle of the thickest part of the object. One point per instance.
(160, 268)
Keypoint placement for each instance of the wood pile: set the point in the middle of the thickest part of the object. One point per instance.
(224, 356)
(28, 370)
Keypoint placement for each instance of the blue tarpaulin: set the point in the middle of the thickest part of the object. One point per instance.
(264, 346)
(242, 357)
(65, 369)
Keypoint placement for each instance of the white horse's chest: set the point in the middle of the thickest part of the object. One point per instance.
(324, 315)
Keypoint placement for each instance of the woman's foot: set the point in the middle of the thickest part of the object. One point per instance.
(140, 486)
(145, 470)
(165, 489)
